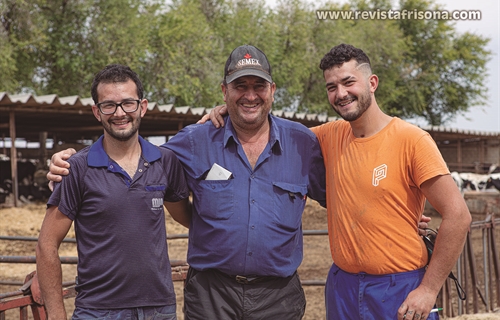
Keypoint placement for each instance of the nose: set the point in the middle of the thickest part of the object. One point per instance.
(341, 91)
(119, 110)
(250, 94)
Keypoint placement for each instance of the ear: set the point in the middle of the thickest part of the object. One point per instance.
(224, 90)
(273, 90)
(143, 106)
(373, 83)
(96, 112)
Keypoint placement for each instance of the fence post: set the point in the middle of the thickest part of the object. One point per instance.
(472, 267)
(494, 253)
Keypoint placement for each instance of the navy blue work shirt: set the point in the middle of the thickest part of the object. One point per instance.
(120, 226)
(250, 224)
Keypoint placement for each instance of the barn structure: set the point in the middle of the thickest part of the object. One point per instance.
(69, 122)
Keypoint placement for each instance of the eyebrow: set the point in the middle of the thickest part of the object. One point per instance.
(344, 79)
(124, 99)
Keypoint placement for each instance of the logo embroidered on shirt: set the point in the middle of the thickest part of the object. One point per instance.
(379, 173)
(156, 203)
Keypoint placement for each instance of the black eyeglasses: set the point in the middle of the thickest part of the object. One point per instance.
(109, 107)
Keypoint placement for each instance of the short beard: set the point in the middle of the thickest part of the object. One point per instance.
(124, 136)
(364, 101)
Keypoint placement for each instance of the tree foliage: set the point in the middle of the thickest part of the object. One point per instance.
(426, 68)
(445, 71)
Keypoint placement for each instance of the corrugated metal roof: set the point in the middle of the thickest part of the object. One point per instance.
(444, 129)
(61, 115)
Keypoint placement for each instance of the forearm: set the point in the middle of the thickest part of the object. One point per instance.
(448, 247)
(50, 279)
(444, 196)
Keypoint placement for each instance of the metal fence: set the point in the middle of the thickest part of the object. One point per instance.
(477, 270)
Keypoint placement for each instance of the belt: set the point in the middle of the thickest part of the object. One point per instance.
(248, 279)
(251, 280)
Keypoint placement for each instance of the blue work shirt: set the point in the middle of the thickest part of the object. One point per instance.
(120, 226)
(250, 224)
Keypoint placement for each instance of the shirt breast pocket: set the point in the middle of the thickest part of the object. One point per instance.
(289, 201)
(153, 196)
(216, 199)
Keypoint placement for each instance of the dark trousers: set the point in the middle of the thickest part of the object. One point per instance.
(211, 294)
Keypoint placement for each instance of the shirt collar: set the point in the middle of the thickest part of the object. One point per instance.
(274, 137)
(97, 157)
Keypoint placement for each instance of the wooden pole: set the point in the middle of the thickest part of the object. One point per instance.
(42, 155)
(13, 156)
(459, 155)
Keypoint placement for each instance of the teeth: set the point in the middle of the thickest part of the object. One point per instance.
(344, 103)
(249, 105)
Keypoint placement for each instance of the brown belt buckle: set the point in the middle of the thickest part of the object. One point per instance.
(242, 279)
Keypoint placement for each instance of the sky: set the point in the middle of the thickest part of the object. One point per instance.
(485, 117)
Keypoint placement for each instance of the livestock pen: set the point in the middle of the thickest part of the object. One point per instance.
(477, 268)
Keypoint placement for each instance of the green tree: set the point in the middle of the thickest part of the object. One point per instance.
(444, 72)
(293, 54)
(84, 36)
(183, 57)
(21, 34)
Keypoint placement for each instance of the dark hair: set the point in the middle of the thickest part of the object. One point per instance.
(342, 53)
(115, 73)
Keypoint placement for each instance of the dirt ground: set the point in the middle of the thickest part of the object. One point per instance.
(26, 221)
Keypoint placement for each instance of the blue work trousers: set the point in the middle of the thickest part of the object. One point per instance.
(368, 297)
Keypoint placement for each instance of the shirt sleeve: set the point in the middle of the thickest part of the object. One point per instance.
(427, 160)
(67, 194)
(178, 188)
(317, 175)
(182, 147)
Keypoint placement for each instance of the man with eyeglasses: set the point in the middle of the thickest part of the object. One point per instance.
(115, 196)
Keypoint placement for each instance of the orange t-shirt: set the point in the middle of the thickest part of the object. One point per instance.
(374, 201)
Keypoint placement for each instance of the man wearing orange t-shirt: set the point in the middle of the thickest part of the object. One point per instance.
(380, 170)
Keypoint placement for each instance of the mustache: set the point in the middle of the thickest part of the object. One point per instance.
(125, 117)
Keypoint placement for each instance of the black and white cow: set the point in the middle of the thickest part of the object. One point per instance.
(32, 184)
(467, 181)
(494, 180)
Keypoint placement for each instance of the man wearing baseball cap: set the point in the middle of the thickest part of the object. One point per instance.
(249, 181)
(245, 237)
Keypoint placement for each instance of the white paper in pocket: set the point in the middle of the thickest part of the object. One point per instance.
(218, 173)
